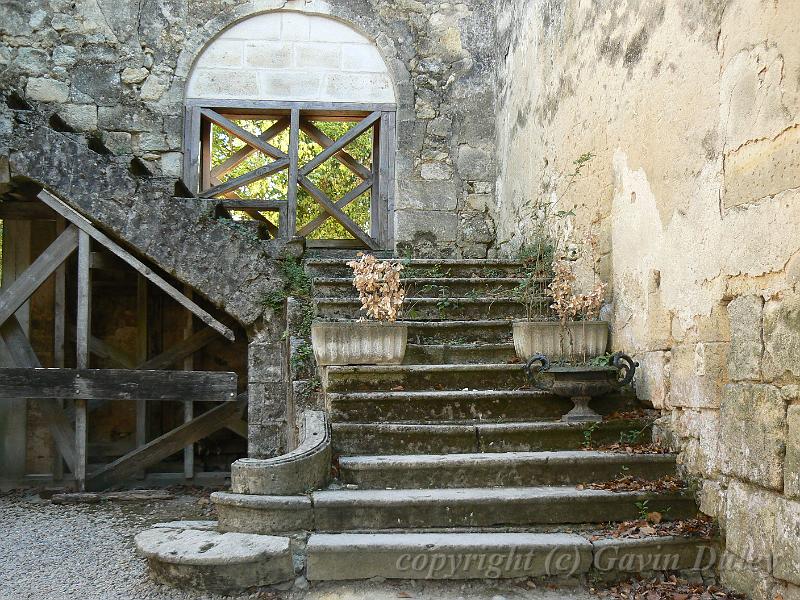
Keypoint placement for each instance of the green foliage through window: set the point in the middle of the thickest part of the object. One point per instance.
(331, 177)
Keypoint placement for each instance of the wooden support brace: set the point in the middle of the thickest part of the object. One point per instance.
(83, 223)
(179, 351)
(341, 203)
(243, 134)
(337, 146)
(344, 157)
(242, 153)
(168, 444)
(237, 182)
(23, 355)
(16, 294)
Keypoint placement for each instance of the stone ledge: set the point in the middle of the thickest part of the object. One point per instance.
(303, 469)
(215, 562)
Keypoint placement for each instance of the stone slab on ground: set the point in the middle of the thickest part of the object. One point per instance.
(216, 562)
(446, 555)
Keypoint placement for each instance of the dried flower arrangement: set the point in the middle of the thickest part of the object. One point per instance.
(379, 287)
(568, 305)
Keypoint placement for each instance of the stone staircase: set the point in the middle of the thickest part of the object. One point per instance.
(450, 460)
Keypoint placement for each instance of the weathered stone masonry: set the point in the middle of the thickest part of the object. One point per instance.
(693, 111)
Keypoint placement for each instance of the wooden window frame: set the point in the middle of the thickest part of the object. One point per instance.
(199, 178)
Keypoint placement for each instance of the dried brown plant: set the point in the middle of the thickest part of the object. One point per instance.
(379, 287)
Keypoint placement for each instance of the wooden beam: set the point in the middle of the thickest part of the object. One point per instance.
(142, 347)
(83, 223)
(59, 345)
(168, 444)
(329, 207)
(83, 328)
(342, 156)
(191, 148)
(16, 294)
(180, 351)
(104, 350)
(188, 405)
(118, 384)
(243, 134)
(235, 159)
(289, 223)
(266, 205)
(24, 211)
(237, 182)
(238, 426)
(341, 203)
(339, 144)
(23, 355)
(254, 105)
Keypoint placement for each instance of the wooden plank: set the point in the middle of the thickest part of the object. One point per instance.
(376, 199)
(348, 137)
(24, 211)
(242, 153)
(390, 132)
(52, 412)
(346, 221)
(140, 431)
(289, 223)
(118, 384)
(83, 223)
(237, 182)
(266, 205)
(18, 292)
(341, 243)
(243, 134)
(188, 405)
(82, 333)
(344, 157)
(341, 203)
(238, 426)
(180, 351)
(341, 107)
(380, 200)
(59, 346)
(168, 444)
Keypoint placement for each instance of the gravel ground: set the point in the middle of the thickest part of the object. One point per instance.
(85, 551)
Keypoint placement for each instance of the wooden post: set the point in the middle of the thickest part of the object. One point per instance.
(59, 333)
(291, 196)
(82, 332)
(141, 356)
(13, 420)
(205, 154)
(188, 405)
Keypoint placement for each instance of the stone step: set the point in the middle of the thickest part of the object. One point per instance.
(499, 469)
(429, 287)
(365, 378)
(454, 406)
(428, 438)
(453, 556)
(423, 267)
(443, 354)
(344, 510)
(181, 554)
(441, 508)
(496, 331)
(431, 309)
(445, 555)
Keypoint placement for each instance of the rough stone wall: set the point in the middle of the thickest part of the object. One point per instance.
(118, 69)
(693, 112)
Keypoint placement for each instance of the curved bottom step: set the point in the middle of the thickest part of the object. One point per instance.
(204, 559)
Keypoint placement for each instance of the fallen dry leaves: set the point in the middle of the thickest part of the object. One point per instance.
(670, 588)
(701, 527)
(629, 483)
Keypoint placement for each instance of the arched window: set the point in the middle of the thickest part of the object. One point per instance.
(290, 122)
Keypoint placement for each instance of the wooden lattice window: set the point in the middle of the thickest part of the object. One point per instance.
(322, 172)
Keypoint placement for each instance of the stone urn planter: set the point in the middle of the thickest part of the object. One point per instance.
(359, 342)
(580, 383)
(557, 341)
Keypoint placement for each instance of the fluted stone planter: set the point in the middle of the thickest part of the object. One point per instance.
(359, 343)
(560, 342)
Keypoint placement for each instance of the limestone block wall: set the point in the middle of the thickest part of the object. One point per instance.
(291, 56)
(693, 113)
(118, 70)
